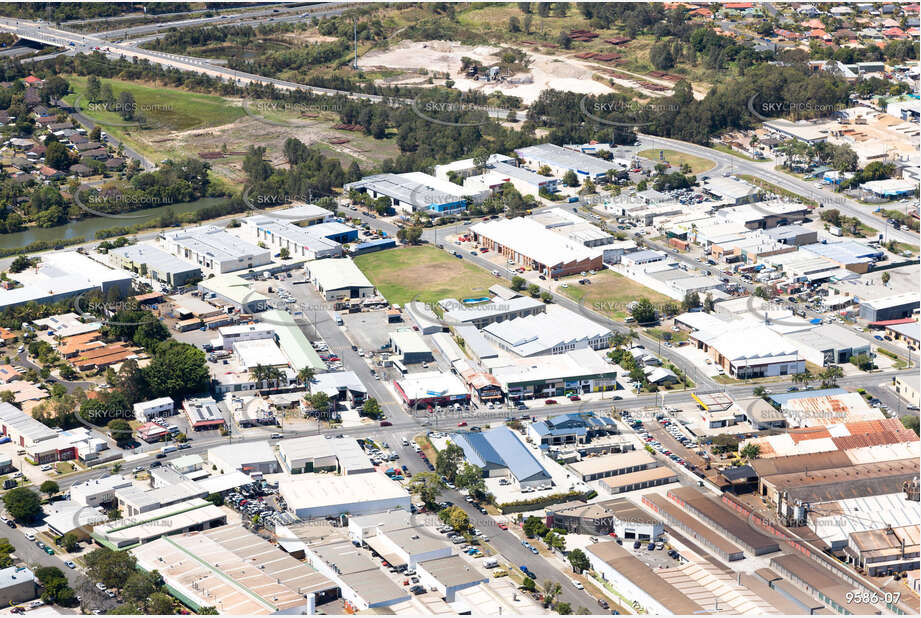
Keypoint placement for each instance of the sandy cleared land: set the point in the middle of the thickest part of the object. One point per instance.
(445, 56)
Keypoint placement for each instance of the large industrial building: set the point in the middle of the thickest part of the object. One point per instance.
(573, 372)
(320, 453)
(526, 243)
(60, 275)
(153, 262)
(308, 243)
(636, 581)
(556, 331)
(561, 160)
(829, 344)
(235, 572)
(498, 173)
(417, 192)
(745, 349)
(311, 496)
(890, 307)
(214, 250)
(338, 279)
(498, 452)
(431, 388)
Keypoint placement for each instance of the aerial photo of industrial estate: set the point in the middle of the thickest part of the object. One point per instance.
(460, 308)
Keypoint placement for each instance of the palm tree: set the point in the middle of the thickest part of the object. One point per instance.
(305, 375)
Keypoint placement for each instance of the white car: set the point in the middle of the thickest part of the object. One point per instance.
(577, 584)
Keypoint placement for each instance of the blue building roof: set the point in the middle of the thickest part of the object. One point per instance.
(500, 447)
(783, 398)
(478, 450)
(379, 244)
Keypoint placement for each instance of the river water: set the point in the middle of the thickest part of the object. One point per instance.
(88, 227)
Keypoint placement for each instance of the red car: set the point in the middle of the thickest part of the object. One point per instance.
(386, 423)
(462, 424)
(502, 526)
(550, 402)
(575, 398)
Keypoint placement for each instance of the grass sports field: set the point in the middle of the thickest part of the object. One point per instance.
(677, 159)
(423, 273)
(610, 293)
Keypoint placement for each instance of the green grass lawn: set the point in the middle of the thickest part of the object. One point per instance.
(424, 274)
(610, 293)
(735, 153)
(677, 159)
(169, 108)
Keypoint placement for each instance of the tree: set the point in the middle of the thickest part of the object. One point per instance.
(160, 604)
(564, 40)
(70, 542)
(177, 370)
(49, 488)
(644, 312)
(534, 527)
(470, 477)
(320, 402)
(428, 486)
(284, 253)
(410, 235)
(570, 179)
(55, 588)
(457, 519)
(207, 611)
(22, 503)
(20, 263)
(563, 608)
(109, 567)
(305, 375)
(864, 362)
(552, 590)
(759, 391)
(546, 296)
(140, 585)
(448, 461)
(528, 584)
(750, 451)
(127, 108)
(708, 303)
(885, 278)
(6, 548)
(371, 408)
(93, 88)
(691, 301)
(518, 283)
(57, 156)
(120, 430)
(911, 421)
(830, 375)
(579, 560)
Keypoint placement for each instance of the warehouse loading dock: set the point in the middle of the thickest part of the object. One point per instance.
(723, 520)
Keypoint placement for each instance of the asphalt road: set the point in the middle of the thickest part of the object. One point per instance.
(765, 170)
